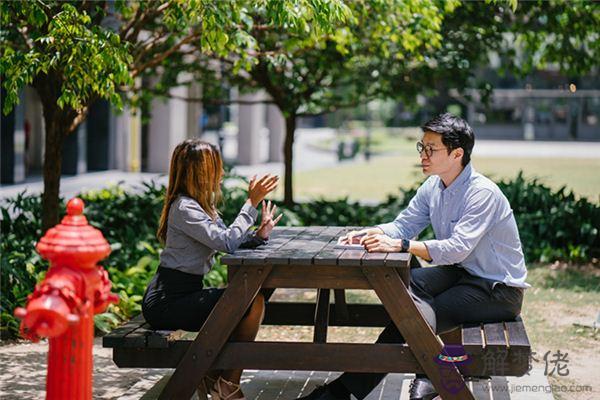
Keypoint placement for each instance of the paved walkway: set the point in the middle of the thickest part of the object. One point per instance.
(306, 158)
(23, 372)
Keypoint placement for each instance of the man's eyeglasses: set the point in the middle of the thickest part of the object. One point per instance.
(427, 149)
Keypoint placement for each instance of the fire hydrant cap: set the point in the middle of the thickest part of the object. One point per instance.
(74, 241)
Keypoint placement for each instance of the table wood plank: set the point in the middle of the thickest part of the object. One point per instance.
(329, 254)
(351, 257)
(397, 259)
(304, 246)
(259, 256)
(374, 259)
(307, 254)
(316, 276)
(278, 235)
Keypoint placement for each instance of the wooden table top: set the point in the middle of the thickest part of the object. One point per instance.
(314, 245)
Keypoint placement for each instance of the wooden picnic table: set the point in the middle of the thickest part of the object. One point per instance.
(306, 257)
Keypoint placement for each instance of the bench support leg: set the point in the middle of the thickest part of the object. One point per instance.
(215, 332)
(424, 344)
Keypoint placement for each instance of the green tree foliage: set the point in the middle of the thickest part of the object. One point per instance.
(397, 49)
(371, 55)
(74, 53)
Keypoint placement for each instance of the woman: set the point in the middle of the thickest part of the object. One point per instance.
(192, 232)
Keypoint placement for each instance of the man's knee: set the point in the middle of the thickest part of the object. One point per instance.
(418, 280)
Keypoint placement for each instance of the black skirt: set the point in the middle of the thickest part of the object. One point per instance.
(178, 300)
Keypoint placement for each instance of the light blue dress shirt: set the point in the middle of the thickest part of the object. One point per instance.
(473, 224)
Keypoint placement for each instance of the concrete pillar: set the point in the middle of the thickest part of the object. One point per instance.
(126, 140)
(250, 124)
(12, 139)
(168, 127)
(34, 154)
(276, 126)
(74, 158)
(194, 112)
(97, 146)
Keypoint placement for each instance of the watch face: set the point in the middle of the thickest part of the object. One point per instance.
(405, 244)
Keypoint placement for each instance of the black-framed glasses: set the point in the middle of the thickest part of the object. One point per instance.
(429, 150)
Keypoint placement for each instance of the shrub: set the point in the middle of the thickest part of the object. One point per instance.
(554, 225)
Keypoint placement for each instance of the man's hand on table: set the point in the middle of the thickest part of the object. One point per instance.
(379, 243)
(356, 237)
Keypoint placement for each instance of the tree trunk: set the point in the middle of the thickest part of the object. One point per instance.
(288, 155)
(59, 122)
(55, 136)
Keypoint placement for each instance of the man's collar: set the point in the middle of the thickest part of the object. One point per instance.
(463, 177)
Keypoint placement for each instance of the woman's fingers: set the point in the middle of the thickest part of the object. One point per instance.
(276, 220)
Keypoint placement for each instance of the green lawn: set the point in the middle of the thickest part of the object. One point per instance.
(382, 140)
(385, 174)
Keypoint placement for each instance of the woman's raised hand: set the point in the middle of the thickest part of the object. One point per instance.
(269, 220)
(259, 188)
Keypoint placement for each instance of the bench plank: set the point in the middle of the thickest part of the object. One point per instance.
(473, 339)
(116, 337)
(494, 335)
(517, 336)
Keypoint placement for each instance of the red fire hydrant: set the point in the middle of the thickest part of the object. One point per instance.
(62, 307)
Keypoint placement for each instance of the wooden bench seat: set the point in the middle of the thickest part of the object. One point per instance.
(498, 349)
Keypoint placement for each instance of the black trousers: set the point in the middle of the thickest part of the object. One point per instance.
(448, 297)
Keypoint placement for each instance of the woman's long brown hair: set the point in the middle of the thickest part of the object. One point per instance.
(196, 171)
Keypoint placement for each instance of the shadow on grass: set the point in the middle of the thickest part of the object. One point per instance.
(569, 277)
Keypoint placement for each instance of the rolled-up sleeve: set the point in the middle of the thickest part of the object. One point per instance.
(412, 220)
(477, 219)
(215, 234)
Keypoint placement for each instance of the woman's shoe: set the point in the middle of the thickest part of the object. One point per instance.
(217, 392)
(204, 388)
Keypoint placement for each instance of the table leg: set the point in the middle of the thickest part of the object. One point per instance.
(341, 308)
(321, 316)
(215, 332)
(422, 341)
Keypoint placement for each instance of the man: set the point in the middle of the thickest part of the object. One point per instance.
(480, 273)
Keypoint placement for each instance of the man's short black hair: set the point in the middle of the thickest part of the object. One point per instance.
(456, 133)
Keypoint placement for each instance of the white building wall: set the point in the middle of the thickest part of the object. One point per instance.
(251, 120)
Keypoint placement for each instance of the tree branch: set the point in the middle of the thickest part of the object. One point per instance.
(161, 57)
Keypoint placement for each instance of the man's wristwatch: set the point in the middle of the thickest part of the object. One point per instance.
(404, 245)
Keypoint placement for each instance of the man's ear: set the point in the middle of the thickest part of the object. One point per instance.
(459, 152)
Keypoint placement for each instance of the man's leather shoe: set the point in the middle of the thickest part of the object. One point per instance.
(322, 393)
(421, 389)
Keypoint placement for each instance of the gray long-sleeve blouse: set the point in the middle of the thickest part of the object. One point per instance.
(193, 237)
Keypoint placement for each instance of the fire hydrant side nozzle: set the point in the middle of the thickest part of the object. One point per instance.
(63, 305)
